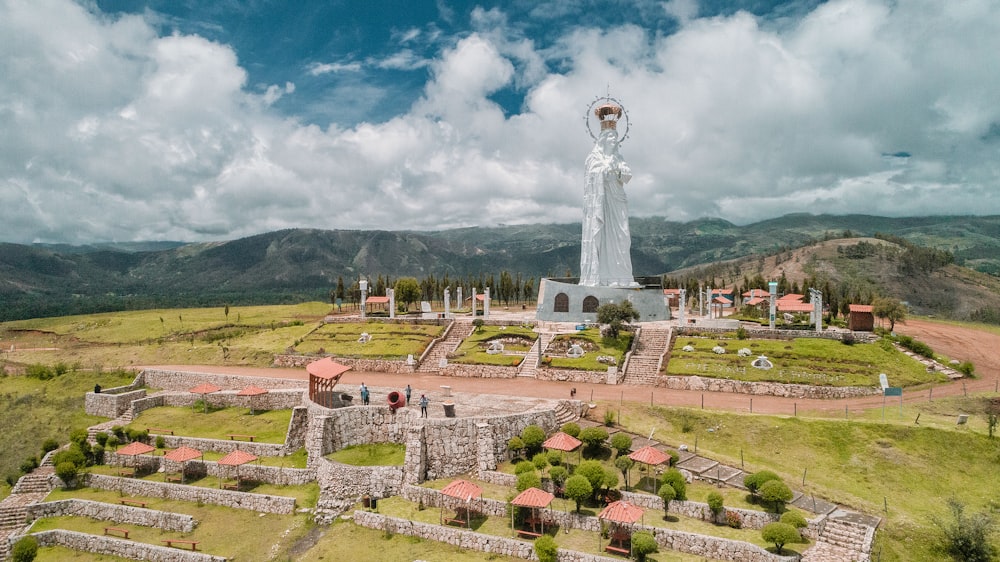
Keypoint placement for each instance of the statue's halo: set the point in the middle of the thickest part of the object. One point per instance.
(589, 114)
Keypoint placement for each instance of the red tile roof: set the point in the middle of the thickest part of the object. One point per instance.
(205, 388)
(621, 512)
(377, 300)
(182, 454)
(649, 455)
(462, 489)
(326, 368)
(792, 297)
(252, 391)
(135, 448)
(860, 308)
(793, 306)
(755, 301)
(562, 442)
(533, 497)
(237, 458)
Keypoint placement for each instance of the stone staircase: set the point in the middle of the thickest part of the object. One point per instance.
(29, 489)
(644, 363)
(567, 411)
(459, 331)
(529, 366)
(841, 541)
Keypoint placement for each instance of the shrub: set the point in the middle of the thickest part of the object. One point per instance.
(97, 454)
(794, 519)
(533, 437)
(524, 466)
(78, 436)
(967, 537)
(554, 458)
(546, 549)
(593, 438)
(966, 368)
(667, 494)
(25, 550)
(49, 445)
(609, 418)
(101, 438)
(741, 333)
(578, 488)
(776, 493)
(593, 471)
(675, 479)
(515, 446)
(624, 464)
(135, 434)
(622, 443)
(643, 544)
(780, 534)
(675, 458)
(67, 471)
(754, 481)
(527, 480)
(29, 464)
(571, 428)
(734, 519)
(113, 442)
(715, 503)
(160, 442)
(558, 474)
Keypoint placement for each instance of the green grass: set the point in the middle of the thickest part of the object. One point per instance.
(388, 339)
(598, 346)
(514, 339)
(376, 454)
(812, 361)
(265, 426)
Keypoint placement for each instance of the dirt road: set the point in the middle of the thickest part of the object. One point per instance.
(954, 341)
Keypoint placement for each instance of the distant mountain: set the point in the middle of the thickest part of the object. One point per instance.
(295, 265)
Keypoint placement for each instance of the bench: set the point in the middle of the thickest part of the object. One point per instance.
(233, 436)
(615, 549)
(235, 487)
(126, 472)
(461, 522)
(526, 533)
(192, 544)
(134, 503)
(173, 479)
(109, 530)
(159, 430)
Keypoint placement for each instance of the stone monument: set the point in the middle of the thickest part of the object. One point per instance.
(605, 247)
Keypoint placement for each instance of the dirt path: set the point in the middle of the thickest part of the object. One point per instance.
(953, 341)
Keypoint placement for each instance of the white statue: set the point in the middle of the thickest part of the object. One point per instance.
(605, 258)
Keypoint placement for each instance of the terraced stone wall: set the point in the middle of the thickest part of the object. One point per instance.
(122, 548)
(117, 513)
(262, 503)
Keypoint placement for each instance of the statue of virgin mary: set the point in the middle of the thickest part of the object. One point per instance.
(605, 259)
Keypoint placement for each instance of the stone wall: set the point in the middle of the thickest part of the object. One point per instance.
(776, 334)
(710, 384)
(127, 514)
(358, 364)
(342, 485)
(262, 503)
(109, 404)
(281, 476)
(499, 478)
(182, 381)
(479, 371)
(572, 375)
(122, 548)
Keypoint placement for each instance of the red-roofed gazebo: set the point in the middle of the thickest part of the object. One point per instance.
(649, 456)
(561, 441)
(181, 455)
(205, 389)
(534, 499)
(620, 515)
(236, 458)
(134, 449)
(465, 491)
(250, 392)
(323, 376)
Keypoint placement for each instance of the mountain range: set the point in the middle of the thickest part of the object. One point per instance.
(305, 264)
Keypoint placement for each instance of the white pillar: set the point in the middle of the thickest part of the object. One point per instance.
(473, 303)
(680, 310)
(364, 296)
(391, 293)
(447, 302)
(773, 289)
(486, 303)
(459, 303)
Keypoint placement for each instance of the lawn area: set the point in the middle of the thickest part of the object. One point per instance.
(473, 350)
(266, 426)
(218, 529)
(594, 346)
(813, 361)
(388, 339)
(377, 454)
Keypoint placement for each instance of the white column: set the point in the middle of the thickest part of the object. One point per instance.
(486, 303)
(473, 303)
(391, 293)
(447, 302)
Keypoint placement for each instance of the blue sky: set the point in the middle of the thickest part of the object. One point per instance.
(187, 120)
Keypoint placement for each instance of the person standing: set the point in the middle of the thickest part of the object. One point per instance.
(407, 392)
(364, 395)
(423, 405)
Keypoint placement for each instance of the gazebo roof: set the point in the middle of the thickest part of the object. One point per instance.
(326, 368)
(205, 388)
(621, 512)
(533, 497)
(562, 442)
(135, 448)
(377, 300)
(462, 489)
(649, 455)
(252, 391)
(182, 454)
(237, 458)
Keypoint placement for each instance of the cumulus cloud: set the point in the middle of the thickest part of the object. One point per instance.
(111, 131)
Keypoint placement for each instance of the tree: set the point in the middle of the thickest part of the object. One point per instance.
(593, 438)
(527, 480)
(667, 494)
(776, 493)
(616, 315)
(889, 309)
(622, 443)
(533, 437)
(407, 290)
(780, 534)
(624, 464)
(67, 471)
(967, 537)
(578, 488)
(593, 471)
(515, 446)
(558, 475)
(571, 428)
(795, 519)
(643, 544)
(715, 503)
(754, 481)
(676, 480)
(546, 549)
(25, 550)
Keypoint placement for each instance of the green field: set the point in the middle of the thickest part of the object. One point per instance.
(516, 340)
(390, 340)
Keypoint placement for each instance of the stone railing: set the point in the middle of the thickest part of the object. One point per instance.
(710, 384)
(121, 548)
(262, 503)
(165, 520)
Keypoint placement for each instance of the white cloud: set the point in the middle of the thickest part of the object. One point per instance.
(108, 131)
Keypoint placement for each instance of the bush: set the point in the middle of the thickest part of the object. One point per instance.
(578, 489)
(643, 544)
(794, 519)
(675, 458)
(676, 480)
(967, 537)
(734, 519)
(609, 418)
(546, 549)
(29, 464)
(524, 466)
(667, 494)
(776, 493)
(97, 454)
(554, 458)
(593, 438)
(780, 534)
(49, 445)
(160, 442)
(25, 550)
(533, 437)
(622, 443)
(593, 471)
(624, 464)
(67, 471)
(558, 474)
(78, 436)
(527, 480)
(754, 481)
(966, 368)
(571, 428)
(515, 446)
(715, 503)
(101, 438)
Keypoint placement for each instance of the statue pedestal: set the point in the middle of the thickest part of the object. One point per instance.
(562, 300)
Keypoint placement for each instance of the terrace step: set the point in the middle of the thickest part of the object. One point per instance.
(644, 363)
(529, 367)
(458, 332)
(565, 413)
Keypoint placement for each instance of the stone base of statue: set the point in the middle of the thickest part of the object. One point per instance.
(562, 300)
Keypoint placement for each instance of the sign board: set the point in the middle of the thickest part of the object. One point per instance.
(884, 380)
(893, 391)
